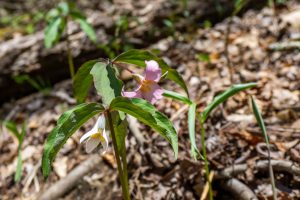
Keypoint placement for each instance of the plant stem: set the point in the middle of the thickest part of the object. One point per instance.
(123, 177)
(69, 52)
(205, 159)
(125, 173)
(230, 68)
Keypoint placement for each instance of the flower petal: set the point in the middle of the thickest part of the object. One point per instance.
(91, 144)
(105, 142)
(154, 94)
(134, 94)
(153, 72)
(89, 133)
(101, 122)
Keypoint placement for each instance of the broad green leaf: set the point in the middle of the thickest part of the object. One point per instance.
(177, 96)
(224, 96)
(147, 113)
(54, 31)
(18, 173)
(67, 124)
(262, 126)
(191, 124)
(88, 29)
(83, 81)
(138, 57)
(106, 82)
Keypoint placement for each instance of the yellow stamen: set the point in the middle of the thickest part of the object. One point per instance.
(98, 135)
(146, 85)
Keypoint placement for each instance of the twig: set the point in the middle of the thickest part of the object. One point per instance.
(206, 187)
(238, 189)
(278, 165)
(231, 171)
(283, 46)
(229, 65)
(66, 184)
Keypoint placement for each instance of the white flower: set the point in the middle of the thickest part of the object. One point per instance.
(96, 136)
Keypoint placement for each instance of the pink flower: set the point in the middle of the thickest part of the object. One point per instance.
(148, 88)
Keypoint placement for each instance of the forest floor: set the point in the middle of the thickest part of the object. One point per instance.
(262, 48)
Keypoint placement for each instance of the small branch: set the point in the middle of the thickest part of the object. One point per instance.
(238, 189)
(283, 46)
(263, 165)
(206, 187)
(280, 165)
(231, 171)
(229, 65)
(69, 52)
(70, 181)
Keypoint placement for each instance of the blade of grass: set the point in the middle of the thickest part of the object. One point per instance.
(261, 124)
(191, 125)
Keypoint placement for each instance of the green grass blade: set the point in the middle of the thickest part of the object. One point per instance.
(224, 96)
(191, 125)
(177, 96)
(12, 127)
(262, 126)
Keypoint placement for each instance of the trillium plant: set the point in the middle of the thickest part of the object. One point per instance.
(116, 103)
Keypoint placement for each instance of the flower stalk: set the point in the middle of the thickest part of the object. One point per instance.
(121, 169)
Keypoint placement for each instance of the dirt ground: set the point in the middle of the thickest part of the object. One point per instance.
(262, 48)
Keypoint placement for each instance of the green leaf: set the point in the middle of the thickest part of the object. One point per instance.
(238, 5)
(138, 57)
(191, 125)
(18, 173)
(64, 7)
(88, 29)
(12, 127)
(259, 120)
(53, 13)
(224, 96)
(83, 81)
(54, 31)
(262, 126)
(203, 57)
(66, 126)
(147, 113)
(177, 96)
(106, 82)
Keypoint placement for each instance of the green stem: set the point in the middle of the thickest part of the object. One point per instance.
(122, 170)
(205, 159)
(124, 162)
(69, 52)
